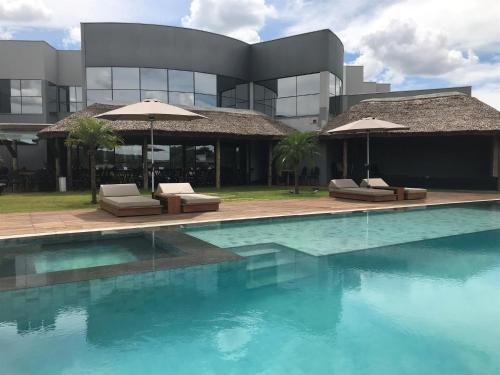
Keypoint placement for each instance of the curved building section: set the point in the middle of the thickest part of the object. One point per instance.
(289, 77)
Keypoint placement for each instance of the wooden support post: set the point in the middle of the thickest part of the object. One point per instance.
(69, 168)
(57, 161)
(270, 164)
(496, 160)
(14, 156)
(344, 158)
(145, 177)
(217, 164)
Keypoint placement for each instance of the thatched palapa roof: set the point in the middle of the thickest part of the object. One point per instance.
(453, 113)
(220, 122)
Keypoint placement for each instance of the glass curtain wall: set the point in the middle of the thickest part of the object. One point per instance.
(292, 96)
(130, 85)
(173, 163)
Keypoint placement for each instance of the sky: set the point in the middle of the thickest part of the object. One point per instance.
(412, 44)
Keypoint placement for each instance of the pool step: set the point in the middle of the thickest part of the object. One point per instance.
(271, 264)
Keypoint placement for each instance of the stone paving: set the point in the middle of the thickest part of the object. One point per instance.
(23, 224)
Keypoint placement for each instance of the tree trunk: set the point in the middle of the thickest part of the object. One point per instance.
(296, 180)
(93, 188)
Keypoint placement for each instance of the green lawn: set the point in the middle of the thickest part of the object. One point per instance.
(31, 202)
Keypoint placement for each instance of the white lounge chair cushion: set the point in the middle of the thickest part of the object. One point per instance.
(415, 190)
(376, 182)
(118, 190)
(365, 191)
(175, 188)
(198, 198)
(131, 201)
(342, 184)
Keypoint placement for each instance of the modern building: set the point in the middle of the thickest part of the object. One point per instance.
(300, 81)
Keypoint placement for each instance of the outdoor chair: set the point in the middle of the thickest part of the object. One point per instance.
(348, 189)
(184, 198)
(409, 193)
(126, 200)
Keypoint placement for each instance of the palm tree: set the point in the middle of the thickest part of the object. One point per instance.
(295, 149)
(92, 134)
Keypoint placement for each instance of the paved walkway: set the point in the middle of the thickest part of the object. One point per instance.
(23, 224)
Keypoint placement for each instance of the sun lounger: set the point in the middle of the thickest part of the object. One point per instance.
(190, 201)
(409, 193)
(126, 200)
(348, 189)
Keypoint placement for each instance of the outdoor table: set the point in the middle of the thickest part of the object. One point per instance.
(174, 204)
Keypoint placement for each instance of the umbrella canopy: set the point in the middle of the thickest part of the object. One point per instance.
(148, 110)
(367, 125)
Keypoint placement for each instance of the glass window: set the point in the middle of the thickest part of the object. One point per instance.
(72, 93)
(154, 79)
(258, 92)
(15, 104)
(125, 78)
(228, 102)
(181, 98)
(179, 80)
(286, 106)
(202, 100)
(205, 83)
(126, 96)
(287, 87)
(32, 104)
(63, 94)
(98, 96)
(242, 92)
(242, 104)
(162, 96)
(128, 156)
(72, 107)
(338, 87)
(331, 86)
(308, 84)
(15, 87)
(31, 87)
(162, 155)
(79, 95)
(79, 106)
(307, 105)
(99, 78)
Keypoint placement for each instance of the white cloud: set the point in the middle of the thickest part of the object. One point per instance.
(73, 37)
(240, 19)
(488, 93)
(23, 10)
(6, 33)
(398, 40)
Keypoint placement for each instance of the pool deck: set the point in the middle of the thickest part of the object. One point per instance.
(40, 223)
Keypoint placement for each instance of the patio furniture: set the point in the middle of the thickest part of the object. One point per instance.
(190, 201)
(348, 189)
(126, 200)
(409, 193)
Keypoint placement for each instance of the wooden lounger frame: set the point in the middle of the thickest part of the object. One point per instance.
(363, 197)
(415, 194)
(130, 211)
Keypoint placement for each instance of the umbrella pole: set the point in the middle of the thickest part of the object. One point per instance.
(368, 158)
(152, 160)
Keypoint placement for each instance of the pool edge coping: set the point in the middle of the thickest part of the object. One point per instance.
(189, 222)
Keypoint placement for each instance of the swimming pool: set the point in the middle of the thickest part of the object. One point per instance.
(422, 306)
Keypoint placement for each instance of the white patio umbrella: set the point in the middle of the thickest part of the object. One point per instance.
(367, 125)
(150, 110)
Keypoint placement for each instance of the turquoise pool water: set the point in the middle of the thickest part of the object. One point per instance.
(338, 233)
(429, 306)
